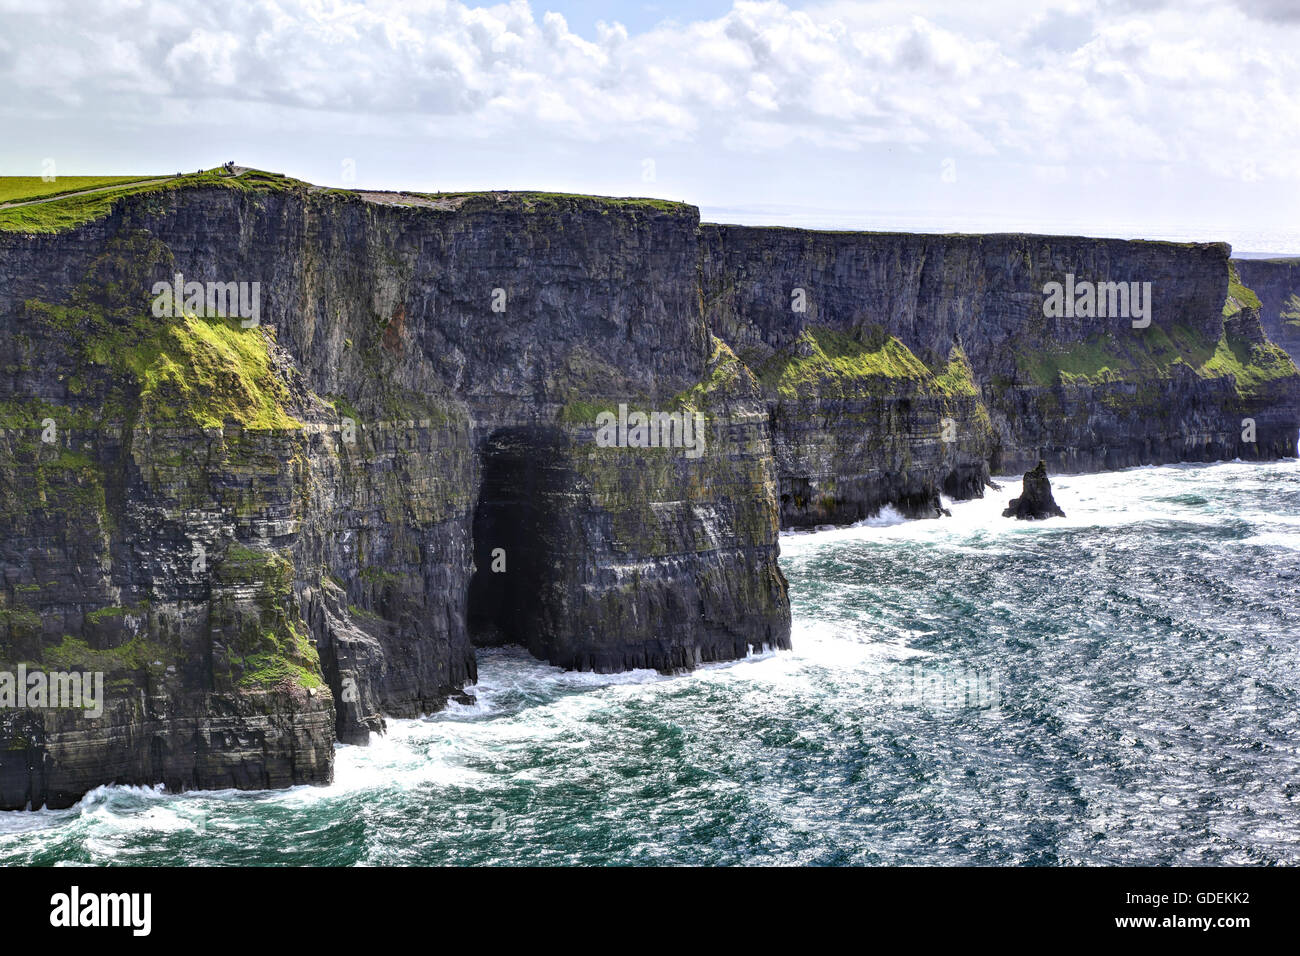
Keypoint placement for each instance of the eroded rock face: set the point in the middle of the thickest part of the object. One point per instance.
(266, 537)
(1277, 283)
(269, 538)
(1035, 502)
(255, 739)
(970, 353)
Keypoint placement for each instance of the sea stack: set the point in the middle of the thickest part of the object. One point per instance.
(1035, 499)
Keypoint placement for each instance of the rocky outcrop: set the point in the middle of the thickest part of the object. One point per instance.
(1035, 501)
(267, 537)
(187, 739)
(1276, 283)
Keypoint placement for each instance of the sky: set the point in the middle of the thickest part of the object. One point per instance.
(1101, 117)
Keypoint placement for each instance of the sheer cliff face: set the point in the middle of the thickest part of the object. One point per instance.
(266, 537)
(918, 361)
(269, 537)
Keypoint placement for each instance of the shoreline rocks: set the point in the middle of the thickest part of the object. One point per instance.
(1035, 502)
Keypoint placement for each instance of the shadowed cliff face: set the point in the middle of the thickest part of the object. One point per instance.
(269, 537)
(984, 292)
(519, 534)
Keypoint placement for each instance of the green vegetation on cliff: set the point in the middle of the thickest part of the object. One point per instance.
(829, 363)
(1155, 354)
(50, 478)
(141, 389)
(957, 378)
(69, 211)
(270, 647)
(128, 665)
(25, 188)
(725, 377)
(1290, 314)
(285, 656)
(1112, 358)
(201, 372)
(1251, 364)
(205, 372)
(1239, 297)
(127, 365)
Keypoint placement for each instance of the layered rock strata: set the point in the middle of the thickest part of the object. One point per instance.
(1035, 501)
(1276, 284)
(268, 537)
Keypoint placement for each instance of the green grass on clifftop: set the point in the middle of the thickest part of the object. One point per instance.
(536, 201)
(67, 212)
(20, 188)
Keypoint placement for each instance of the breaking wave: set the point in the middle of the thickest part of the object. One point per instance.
(1119, 685)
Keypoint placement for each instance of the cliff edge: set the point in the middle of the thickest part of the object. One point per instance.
(447, 421)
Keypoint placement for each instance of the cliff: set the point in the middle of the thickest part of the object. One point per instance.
(919, 362)
(269, 536)
(1276, 283)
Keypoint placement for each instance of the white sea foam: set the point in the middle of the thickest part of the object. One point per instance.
(1109, 499)
(471, 755)
(1276, 539)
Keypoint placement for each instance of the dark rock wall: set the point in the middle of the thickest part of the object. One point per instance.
(984, 292)
(338, 539)
(1277, 283)
(268, 539)
(1083, 393)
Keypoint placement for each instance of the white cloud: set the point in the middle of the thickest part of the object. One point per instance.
(839, 75)
(1067, 94)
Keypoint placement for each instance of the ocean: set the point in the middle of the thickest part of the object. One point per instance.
(1117, 686)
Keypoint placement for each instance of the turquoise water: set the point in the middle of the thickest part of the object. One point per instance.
(1116, 686)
